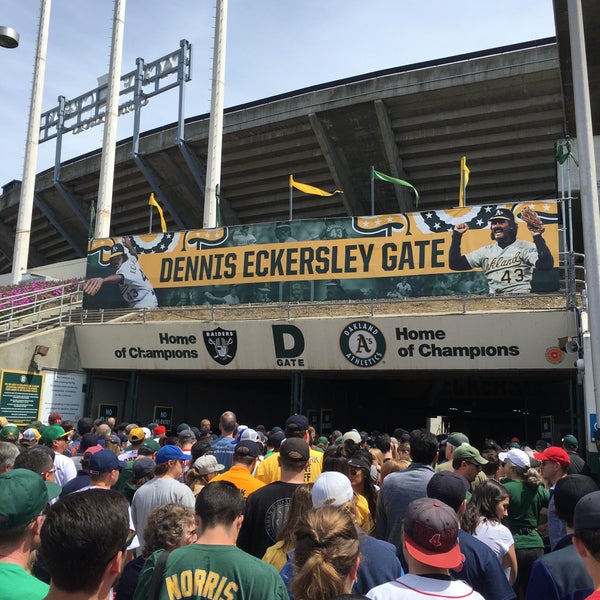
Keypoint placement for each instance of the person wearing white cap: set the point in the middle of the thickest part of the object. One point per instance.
(30, 438)
(379, 562)
(528, 497)
(202, 472)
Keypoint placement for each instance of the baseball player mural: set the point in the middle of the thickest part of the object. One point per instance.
(508, 263)
(134, 286)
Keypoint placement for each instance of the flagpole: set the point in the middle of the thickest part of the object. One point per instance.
(150, 223)
(372, 190)
(291, 197)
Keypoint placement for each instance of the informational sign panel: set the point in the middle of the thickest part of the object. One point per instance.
(163, 415)
(20, 396)
(108, 410)
(473, 250)
(63, 393)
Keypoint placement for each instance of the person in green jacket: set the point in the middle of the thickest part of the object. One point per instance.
(528, 497)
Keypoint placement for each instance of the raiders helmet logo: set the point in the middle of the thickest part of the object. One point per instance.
(221, 345)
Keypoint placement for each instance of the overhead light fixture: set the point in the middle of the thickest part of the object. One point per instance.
(568, 345)
(9, 38)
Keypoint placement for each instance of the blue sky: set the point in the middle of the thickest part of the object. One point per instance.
(273, 46)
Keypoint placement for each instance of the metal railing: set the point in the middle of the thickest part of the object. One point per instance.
(38, 309)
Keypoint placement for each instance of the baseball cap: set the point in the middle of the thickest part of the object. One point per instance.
(116, 250)
(187, 435)
(51, 433)
(142, 467)
(23, 496)
(323, 440)
(54, 416)
(554, 454)
(503, 213)
(114, 439)
(570, 442)
(331, 488)
(456, 439)
(137, 434)
(294, 450)
(159, 430)
(431, 533)
(30, 435)
(247, 448)
(587, 512)
(10, 433)
(296, 423)
(147, 432)
(171, 452)
(151, 445)
(92, 450)
(182, 427)
(516, 456)
(352, 435)
(250, 434)
(87, 440)
(276, 437)
(361, 460)
(568, 491)
(208, 464)
(104, 461)
(449, 487)
(466, 451)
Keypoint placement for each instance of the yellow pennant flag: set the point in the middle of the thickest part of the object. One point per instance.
(464, 180)
(311, 189)
(153, 202)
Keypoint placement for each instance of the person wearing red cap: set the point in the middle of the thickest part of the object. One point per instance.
(554, 466)
(54, 418)
(431, 548)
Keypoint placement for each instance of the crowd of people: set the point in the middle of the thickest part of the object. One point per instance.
(100, 510)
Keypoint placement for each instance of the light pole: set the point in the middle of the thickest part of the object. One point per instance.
(9, 38)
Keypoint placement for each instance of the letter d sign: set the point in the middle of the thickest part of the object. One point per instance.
(288, 341)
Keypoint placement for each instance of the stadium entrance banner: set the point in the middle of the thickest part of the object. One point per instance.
(497, 249)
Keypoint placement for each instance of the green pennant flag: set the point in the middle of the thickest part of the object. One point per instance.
(564, 153)
(378, 175)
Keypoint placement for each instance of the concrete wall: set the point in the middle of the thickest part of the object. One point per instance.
(17, 355)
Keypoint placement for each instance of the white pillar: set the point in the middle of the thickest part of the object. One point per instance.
(215, 135)
(23, 233)
(590, 210)
(109, 140)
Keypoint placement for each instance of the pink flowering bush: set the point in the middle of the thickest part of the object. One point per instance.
(24, 295)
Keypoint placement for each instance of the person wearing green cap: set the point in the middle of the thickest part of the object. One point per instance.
(23, 497)
(56, 438)
(577, 464)
(10, 433)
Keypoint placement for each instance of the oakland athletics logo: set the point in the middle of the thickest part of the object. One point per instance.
(362, 344)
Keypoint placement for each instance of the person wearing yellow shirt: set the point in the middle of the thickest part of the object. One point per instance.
(296, 426)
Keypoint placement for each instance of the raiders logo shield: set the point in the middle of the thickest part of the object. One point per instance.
(221, 345)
